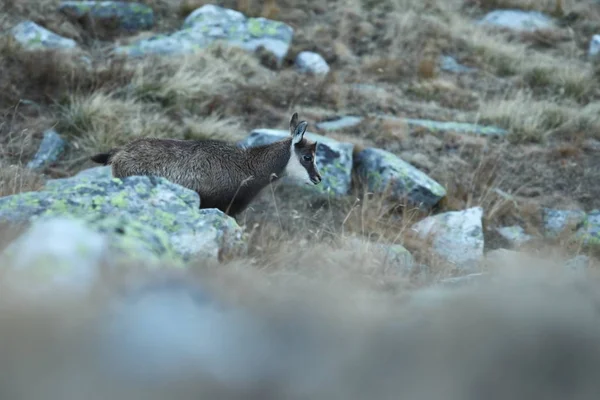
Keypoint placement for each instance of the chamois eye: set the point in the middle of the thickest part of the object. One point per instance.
(308, 158)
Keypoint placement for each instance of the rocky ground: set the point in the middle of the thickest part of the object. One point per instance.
(458, 141)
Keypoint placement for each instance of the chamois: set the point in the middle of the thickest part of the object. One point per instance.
(225, 176)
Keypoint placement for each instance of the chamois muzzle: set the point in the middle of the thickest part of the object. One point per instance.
(316, 179)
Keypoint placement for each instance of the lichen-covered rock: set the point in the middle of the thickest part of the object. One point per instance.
(382, 170)
(518, 20)
(34, 37)
(131, 16)
(556, 221)
(50, 149)
(211, 23)
(333, 158)
(311, 62)
(589, 231)
(457, 236)
(164, 217)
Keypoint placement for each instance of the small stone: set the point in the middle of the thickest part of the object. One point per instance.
(594, 49)
(130, 15)
(96, 172)
(34, 37)
(345, 121)
(449, 64)
(313, 63)
(459, 281)
(333, 158)
(382, 170)
(50, 149)
(515, 235)
(518, 20)
(457, 236)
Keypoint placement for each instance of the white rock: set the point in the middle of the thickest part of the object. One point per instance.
(594, 46)
(457, 236)
(310, 62)
(518, 20)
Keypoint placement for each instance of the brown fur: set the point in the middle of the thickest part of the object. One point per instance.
(224, 175)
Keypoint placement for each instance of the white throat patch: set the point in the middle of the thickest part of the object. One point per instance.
(295, 170)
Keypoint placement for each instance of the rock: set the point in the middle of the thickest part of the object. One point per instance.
(381, 170)
(449, 64)
(394, 255)
(347, 121)
(556, 221)
(589, 231)
(459, 281)
(153, 217)
(96, 172)
(130, 16)
(333, 158)
(313, 63)
(594, 49)
(518, 20)
(34, 37)
(457, 236)
(459, 127)
(578, 264)
(515, 235)
(341, 122)
(50, 149)
(211, 23)
(57, 251)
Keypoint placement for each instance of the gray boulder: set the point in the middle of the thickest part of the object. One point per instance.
(148, 216)
(211, 23)
(35, 37)
(457, 237)
(518, 20)
(382, 170)
(50, 149)
(333, 158)
(131, 16)
(313, 63)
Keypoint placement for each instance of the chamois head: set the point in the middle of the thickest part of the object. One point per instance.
(302, 163)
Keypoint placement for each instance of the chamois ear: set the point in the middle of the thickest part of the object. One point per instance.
(299, 132)
(293, 123)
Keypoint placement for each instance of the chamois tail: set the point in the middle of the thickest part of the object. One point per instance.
(103, 158)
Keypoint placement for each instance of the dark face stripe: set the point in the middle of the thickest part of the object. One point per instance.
(308, 149)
